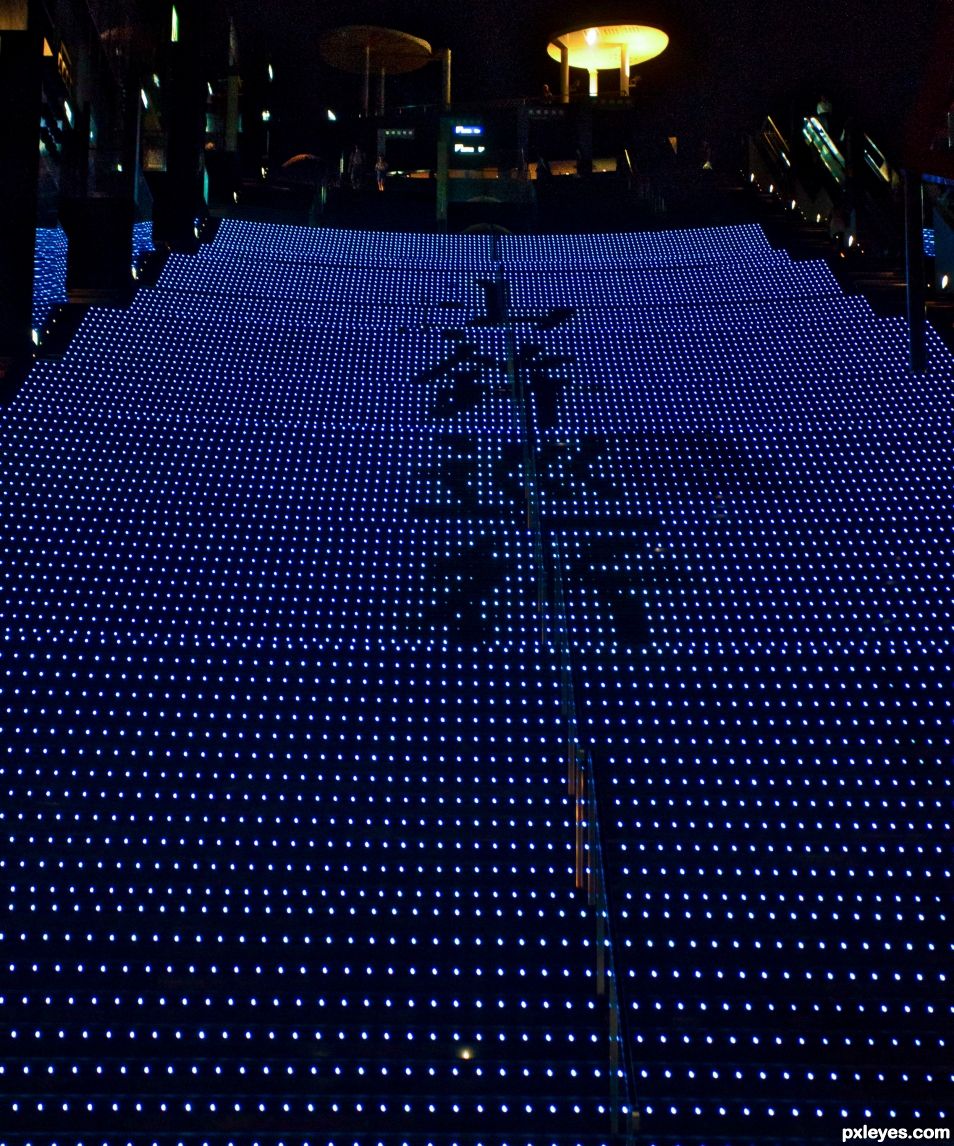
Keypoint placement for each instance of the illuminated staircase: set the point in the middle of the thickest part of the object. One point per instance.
(319, 576)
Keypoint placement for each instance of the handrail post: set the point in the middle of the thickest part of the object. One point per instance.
(601, 950)
(914, 270)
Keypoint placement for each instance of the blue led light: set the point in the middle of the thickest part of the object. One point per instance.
(49, 273)
(287, 854)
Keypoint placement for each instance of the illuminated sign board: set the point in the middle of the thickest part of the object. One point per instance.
(468, 131)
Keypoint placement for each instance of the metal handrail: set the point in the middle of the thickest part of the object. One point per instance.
(621, 1065)
(589, 874)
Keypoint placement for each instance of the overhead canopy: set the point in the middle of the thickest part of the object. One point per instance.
(356, 47)
(13, 15)
(599, 48)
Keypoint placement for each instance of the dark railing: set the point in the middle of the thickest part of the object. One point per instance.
(555, 632)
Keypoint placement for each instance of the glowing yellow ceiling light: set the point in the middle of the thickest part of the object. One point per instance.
(598, 49)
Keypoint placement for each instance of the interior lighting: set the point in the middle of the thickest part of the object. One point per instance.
(617, 47)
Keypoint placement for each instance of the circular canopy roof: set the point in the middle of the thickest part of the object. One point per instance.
(352, 47)
(595, 48)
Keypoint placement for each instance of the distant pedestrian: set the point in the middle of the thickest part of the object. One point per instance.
(356, 167)
(380, 170)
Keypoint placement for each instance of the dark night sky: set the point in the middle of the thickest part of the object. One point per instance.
(727, 63)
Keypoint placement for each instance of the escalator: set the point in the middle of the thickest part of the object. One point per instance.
(834, 177)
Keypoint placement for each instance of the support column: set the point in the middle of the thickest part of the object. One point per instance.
(20, 100)
(446, 77)
(564, 73)
(179, 197)
(224, 167)
(584, 140)
(99, 232)
(443, 161)
(381, 84)
(914, 270)
(523, 143)
(233, 87)
(75, 151)
(366, 85)
(623, 70)
(594, 83)
(97, 187)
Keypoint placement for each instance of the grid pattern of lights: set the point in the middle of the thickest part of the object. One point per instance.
(692, 247)
(327, 284)
(286, 850)
(375, 249)
(49, 267)
(752, 500)
(302, 866)
(142, 240)
(49, 273)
